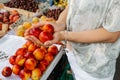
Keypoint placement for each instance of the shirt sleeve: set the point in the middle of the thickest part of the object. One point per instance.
(112, 19)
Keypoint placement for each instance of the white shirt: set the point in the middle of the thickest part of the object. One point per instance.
(97, 59)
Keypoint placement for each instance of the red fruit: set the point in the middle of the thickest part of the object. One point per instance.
(32, 47)
(36, 74)
(30, 63)
(25, 74)
(49, 57)
(7, 71)
(48, 27)
(53, 49)
(16, 69)
(12, 59)
(21, 51)
(35, 31)
(45, 36)
(39, 54)
(20, 60)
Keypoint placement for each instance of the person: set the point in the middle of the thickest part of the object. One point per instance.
(92, 29)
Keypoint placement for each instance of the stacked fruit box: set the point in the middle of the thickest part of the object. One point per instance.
(13, 70)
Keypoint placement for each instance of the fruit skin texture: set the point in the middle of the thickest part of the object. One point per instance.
(35, 31)
(48, 27)
(53, 49)
(12, 59)
(36, 74)
(49, 57)
(21, 51)
(20, 60)
(16, 69)
(39, 54)
(31, 47)
(7, 71)
(25, 74)
(30, 64)
(45, 36)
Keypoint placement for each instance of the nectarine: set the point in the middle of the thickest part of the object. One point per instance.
(45, 36)
(39, 54)
(30, 63)
(53, 49)
(48, 27)
(16, 69)
(6, 71)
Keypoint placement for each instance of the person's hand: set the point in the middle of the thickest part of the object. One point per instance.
(35, 40)
(57, 37)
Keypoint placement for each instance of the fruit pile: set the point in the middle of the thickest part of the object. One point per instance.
(29, 5)
(30, 61)
(9, 17)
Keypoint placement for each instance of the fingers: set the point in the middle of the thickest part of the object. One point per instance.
(34, 40)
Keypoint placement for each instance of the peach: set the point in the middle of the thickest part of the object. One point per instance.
(35, 31)
(6, 71)
(16, 69)
(53, 49)
(30, 63)
(48, 27)
(36, 74)
(45, 36)
(32, 47)
(20, 60)
(21, 51)
(49, 57)
(39, 54)
(25, 74)
(12, 59)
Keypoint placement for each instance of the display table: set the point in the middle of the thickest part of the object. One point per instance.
(9, 44)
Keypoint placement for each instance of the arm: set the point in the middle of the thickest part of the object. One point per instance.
(62, 19)
(91, 36)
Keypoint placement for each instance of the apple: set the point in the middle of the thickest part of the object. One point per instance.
(16, 69)
(35, 31)
(29, 55)
(12, 59)
(49, 57)
(45, 36)
(48, 27)
(21, 51)
(20, 60)
(53, 49)
(30, 63)
(39, 54)
(32, 47)
(6, 71)
(36, 74)
(25, 74)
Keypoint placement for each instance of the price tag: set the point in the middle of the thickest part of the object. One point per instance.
(3, 56)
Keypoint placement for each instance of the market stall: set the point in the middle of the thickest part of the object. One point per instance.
(13, 38)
